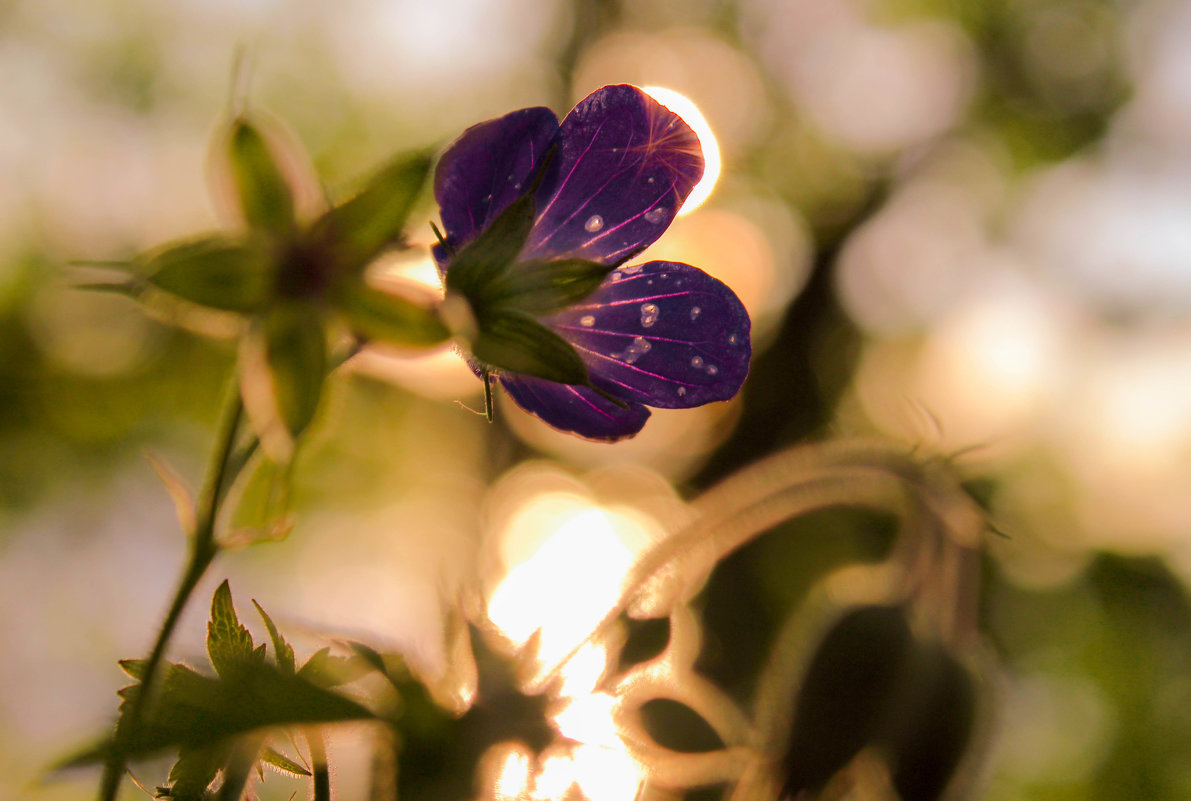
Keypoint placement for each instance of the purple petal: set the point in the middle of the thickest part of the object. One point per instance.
(487, 168)
(575, 409)
(663, 334)
(625, 165)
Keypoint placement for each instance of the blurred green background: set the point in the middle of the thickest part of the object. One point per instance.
(961, 225)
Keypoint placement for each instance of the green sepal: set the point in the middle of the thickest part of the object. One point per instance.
(542, 287)
(283, 652)
(358, 230)
(513, 340)
(297, 352)
(266, 200)
(229, 645)
(284, 362)
(261, 512)
(390, 318)
(271, 756)
(212, 271)
(487, 257)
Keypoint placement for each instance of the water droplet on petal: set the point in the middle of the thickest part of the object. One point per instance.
(636, 348)
(594, 223)
(695, 312)
(616, 275)
(587, 321)
(697, 361)
(732, 339)
(656, 215)
(649, 314)
(649, 180)
(712, 369)
(681, 391)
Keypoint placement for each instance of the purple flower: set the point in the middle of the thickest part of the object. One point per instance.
(539, 219)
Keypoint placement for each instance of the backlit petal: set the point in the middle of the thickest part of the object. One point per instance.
(663, 334)
(575, 409)
(487, 168)
(625, 164)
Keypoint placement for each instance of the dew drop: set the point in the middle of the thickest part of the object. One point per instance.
(649, 314)
(617, 275)
(487, 198)
(681, 391)
(695, 312)
(649, 180)
(594, 223)
(697, 361)
(732, 339)
(712, 369)
(587, 321)
(656, 215)
(636, 348)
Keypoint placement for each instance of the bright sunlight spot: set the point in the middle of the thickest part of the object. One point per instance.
(684, 107)
(566, 559)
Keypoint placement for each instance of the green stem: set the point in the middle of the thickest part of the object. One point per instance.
(318, 765)
(203, 549)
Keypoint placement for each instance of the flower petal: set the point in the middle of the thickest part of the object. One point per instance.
(665, 334)
(575, 409)
(487, 168)
(625, 165)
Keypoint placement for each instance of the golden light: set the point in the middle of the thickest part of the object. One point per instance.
(684, 107)
(563, 559)
(578, 556)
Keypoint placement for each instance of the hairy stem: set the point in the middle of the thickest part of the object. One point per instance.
(318, 765)
(225, 466)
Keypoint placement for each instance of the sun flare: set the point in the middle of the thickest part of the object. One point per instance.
(684, 107)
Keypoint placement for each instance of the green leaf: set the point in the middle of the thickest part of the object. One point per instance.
(487, 257)
(512, 340)
(196, 711)
(135, 668)
(542, 287)
(265, 196)
(325, 670)
(270, 756)
(359, 229)
(229, 645)
(390, 318)
(212, 271)
(194, 771)
(283, 652)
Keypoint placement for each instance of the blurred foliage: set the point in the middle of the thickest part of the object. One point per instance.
(1096, 682)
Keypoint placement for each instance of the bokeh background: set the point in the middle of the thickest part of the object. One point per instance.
(960, 225)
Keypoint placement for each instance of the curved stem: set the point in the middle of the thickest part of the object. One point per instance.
(225, 466)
